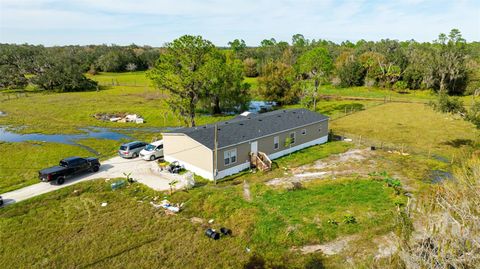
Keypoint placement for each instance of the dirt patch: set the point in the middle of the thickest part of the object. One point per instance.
(354, 161)
(387, 245)
(330, 248)
(246, 191)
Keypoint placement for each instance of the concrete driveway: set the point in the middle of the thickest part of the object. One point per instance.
(142, 171)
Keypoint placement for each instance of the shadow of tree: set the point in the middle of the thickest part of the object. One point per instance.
(457, 143)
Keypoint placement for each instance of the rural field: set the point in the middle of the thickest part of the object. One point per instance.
(349, 214)
(220, 152)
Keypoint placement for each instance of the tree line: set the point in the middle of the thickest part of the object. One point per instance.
(63, 69)
(199, 75)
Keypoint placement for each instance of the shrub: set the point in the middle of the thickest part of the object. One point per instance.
(349, 219)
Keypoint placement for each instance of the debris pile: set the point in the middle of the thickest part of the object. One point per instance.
(119, 117)
(169, 207)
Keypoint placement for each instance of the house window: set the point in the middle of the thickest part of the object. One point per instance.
(275, 142)
(304, 131)
(230, 156)
(292, 138)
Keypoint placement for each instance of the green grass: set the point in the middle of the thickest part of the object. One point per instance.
(252, 81)
(416, 126)
(379, 93)
(123, 79)
(339, 108)
(307, 212)
(67, 112)
(69, 228)
(21, 161)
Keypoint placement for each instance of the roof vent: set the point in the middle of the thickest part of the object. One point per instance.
(294, 112)
(241, 123)
(259, 119)
(226, 122)
(205, 127)
(279, 116)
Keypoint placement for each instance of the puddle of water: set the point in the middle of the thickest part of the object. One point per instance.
(99, 133)
(440, 158)
(437, 176)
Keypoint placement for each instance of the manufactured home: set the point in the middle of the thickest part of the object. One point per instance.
(218, 150)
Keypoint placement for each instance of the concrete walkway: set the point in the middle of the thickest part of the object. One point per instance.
(141, 170)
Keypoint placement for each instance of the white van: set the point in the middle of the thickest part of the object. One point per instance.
(152, 151)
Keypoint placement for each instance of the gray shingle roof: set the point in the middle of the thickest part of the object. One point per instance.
(241, 129)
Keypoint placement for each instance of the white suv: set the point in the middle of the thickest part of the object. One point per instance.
(152, 151)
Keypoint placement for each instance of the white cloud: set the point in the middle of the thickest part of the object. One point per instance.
(157, 21)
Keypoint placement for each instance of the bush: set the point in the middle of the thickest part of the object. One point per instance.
(349, 219)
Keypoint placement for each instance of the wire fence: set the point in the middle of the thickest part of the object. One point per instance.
(398, 148)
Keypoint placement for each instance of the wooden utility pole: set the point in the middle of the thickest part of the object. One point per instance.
(215, 155)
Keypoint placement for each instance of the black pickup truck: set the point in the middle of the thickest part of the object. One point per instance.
(68, 167)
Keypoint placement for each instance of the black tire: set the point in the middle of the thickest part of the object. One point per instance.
(95, 168)
(134, 155)
(152, 158)
(60, 180)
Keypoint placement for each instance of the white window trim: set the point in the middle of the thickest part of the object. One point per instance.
(277, 144)
(229, 154)
(304, 131)
(294, 137)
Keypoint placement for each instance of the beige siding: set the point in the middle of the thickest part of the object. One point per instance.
(265, 144)
(183, 148)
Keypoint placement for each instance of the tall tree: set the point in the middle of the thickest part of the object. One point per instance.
(450, 65)
(179, 71)
(277, 82)
(224, 89)
(316, 65)
(63, 73)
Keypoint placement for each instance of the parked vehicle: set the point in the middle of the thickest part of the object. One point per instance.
(175, 167)
(152, 151)
(68, 167)
(132, 149)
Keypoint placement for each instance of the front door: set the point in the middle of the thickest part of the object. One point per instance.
(254, 147)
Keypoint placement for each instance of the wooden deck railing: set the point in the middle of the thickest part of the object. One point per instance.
(261, 161)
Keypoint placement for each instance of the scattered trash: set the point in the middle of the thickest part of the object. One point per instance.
(165, 204)
(107, 179)
(347, 140)
(196, 220)
(211, 221)
(2, 114)
(225, 231)
(373, 148)
(247, 249)
(118, 184)
(119, 117)
(212, 234)
(155, 198)
(104, 204)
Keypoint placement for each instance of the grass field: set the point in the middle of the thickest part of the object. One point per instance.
(413, 125)
(69, 228)
(20, 162)
(67, 112)
(137, 79)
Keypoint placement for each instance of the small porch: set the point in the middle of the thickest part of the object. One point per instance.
(260, 161)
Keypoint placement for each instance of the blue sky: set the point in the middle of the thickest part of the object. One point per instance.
(154, 22)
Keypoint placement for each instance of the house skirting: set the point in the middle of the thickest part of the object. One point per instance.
(233, 170)
(243, 166)
(284, 152)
